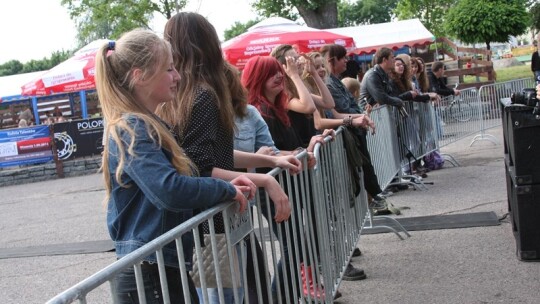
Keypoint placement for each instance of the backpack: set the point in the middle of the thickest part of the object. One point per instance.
(434, 160)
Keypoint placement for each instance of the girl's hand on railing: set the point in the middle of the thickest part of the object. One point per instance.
(368, 108)
(311, 160)
(329, 132)
(434, 97)
(243, 186)
(289, 162)
(361, 121)
(279, 198)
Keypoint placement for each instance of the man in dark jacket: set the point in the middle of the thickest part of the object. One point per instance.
(376, 86)
(436, 82)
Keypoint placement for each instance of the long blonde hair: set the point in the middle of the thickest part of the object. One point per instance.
(115, 63)
(308, 78)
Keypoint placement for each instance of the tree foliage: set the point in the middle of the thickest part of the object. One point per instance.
(97, 19)
(319, 14)
(238, 28)
(329, 14)
(14, 67)
(365, 12)
(475, 21)
(11, 67)
(534, 12)
(430, 12)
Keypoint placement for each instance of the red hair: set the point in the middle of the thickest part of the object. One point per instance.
(254, 76)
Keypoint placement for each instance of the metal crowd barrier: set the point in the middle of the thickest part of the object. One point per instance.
(490, 96)
(383, 146)
(340, 214)
(401, 140)
(458, 117)
(320, 236)
(327, 220)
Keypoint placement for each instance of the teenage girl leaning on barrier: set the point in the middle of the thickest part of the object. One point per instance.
(264, 79)
(203, 116)
(150, 184)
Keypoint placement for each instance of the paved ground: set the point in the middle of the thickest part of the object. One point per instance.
(473, 265)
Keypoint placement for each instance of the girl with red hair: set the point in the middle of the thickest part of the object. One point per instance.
(264, 79)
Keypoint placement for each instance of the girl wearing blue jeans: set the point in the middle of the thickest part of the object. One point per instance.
(151, 186)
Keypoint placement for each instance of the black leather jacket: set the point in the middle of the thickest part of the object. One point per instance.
(437, 85)
(377, 88)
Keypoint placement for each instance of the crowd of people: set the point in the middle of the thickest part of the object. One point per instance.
(185, 131)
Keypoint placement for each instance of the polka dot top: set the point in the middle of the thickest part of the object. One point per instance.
(206, 142)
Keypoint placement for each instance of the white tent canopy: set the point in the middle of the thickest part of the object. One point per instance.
(395, 35)
(11, 85)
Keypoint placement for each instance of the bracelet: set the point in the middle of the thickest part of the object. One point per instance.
(347, 121)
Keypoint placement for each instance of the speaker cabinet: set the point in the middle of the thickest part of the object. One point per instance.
(524, 208)
(521, 130)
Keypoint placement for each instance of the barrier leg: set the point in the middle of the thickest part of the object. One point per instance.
(450, 159)
(392, 221)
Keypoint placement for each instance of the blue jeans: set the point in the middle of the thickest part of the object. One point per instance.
(125, 287)
(537, 77)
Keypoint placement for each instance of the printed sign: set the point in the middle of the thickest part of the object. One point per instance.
(25, 146)
(79, 138)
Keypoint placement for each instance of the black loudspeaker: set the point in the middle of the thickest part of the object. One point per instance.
(521, 131)
(524, 207)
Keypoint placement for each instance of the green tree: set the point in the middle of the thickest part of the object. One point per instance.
(475, 21)
(109, 19)
(319, 14)
(11, 67)
(430, 12)
(238, 28)
(365, 12)
(534, 12)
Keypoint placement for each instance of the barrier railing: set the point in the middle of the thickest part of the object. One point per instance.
(489, 96)
(326, 221)
(383, 146)
(458, 117)
(401, 140)
(324, 228)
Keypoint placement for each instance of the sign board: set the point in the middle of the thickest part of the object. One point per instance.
(25, 146)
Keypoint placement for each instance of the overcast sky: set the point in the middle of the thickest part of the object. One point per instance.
(33, 29)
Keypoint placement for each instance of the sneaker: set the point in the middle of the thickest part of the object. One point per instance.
(386, 193)
(353, 274)
(337, 295)
(378, 203)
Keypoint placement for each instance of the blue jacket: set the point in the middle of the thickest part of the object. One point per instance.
(157, 198)
(252, 132)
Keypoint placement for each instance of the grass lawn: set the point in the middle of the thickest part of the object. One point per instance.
(506, 74)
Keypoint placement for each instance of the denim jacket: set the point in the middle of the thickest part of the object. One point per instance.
(156, 198)
(344, 100)
(252, 132)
